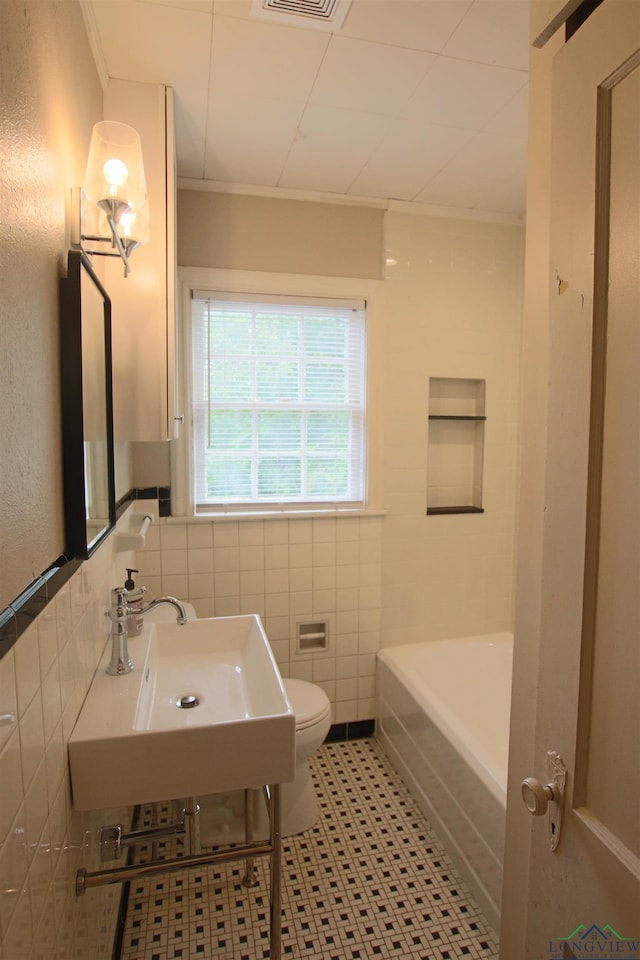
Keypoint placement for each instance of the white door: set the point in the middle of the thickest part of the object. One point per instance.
(587, 891)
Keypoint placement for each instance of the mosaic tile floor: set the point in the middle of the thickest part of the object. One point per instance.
(368, 881)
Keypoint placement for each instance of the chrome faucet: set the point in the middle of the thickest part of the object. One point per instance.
(120, 662)
(182, 613)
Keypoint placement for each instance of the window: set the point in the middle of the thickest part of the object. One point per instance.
(278, 394)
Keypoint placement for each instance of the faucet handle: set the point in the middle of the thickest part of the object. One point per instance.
(118, 609)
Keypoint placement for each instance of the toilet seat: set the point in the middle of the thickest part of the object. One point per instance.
(309, 702)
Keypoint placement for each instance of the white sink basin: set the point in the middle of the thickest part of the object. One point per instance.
(134, 742)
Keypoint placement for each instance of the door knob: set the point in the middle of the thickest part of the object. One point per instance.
(540, 798)
(536, 795)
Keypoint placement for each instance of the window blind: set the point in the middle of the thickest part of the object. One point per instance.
(278, 401)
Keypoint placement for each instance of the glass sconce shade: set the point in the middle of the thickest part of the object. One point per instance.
(114, 178)
(134, 227)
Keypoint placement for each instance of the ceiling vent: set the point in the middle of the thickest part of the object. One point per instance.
(312, 14)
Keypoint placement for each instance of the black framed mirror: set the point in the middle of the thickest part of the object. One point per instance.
(87, 408)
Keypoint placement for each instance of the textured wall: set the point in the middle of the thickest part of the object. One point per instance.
(50, 97)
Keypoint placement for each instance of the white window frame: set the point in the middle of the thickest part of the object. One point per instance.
(247, 282)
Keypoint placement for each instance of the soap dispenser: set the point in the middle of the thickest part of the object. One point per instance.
(135, 596)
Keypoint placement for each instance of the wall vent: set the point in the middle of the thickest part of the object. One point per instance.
(315, 14)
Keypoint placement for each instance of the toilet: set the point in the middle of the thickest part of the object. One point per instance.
(312, 711)
(222, 815)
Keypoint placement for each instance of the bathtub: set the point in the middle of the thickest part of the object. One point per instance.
(443, 719)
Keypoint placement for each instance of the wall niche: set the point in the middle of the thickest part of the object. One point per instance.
(455, 445)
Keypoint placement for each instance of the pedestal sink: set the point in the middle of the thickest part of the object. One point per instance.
(204, 711)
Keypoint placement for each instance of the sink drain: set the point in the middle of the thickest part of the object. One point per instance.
(188, 701)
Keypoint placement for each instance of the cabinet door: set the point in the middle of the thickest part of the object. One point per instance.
(143, 303)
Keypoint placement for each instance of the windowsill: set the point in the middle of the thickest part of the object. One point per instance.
(219, 517)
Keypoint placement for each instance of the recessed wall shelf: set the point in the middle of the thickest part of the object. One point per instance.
(439, 416)
(465, 509)
(313, 636)
(455, 446)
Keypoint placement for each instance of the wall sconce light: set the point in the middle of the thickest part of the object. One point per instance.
(112, 207)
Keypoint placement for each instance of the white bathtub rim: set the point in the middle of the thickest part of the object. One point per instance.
(490, 766)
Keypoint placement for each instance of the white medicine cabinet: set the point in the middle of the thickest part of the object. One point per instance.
(143, 304)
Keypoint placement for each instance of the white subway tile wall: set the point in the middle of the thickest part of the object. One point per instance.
(452, 309)
(43, 681)
(288, 571)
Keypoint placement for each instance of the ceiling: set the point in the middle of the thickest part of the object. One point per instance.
(414, 100)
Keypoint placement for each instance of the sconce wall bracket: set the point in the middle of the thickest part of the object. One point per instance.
(93, 244)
